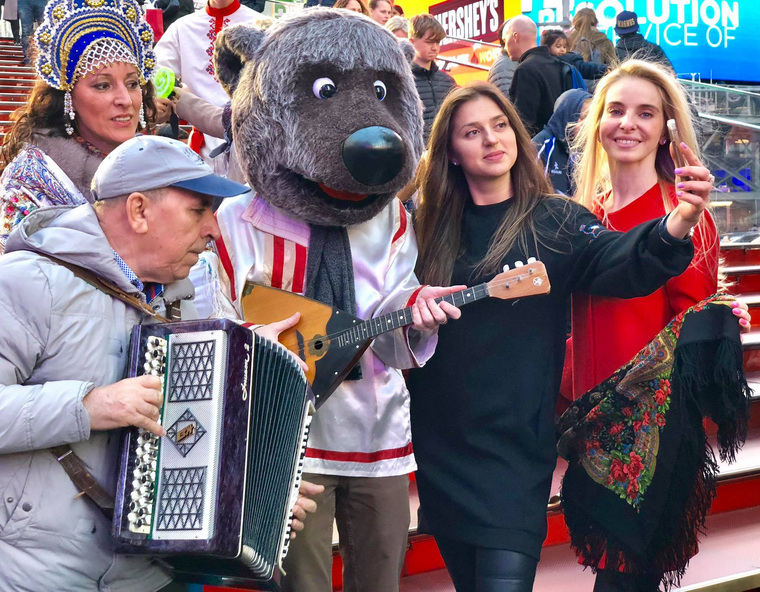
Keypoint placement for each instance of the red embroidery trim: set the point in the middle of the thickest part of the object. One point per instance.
(360, 457)
(278, 262)
(217, 25)
(299, 273)
(224, 257)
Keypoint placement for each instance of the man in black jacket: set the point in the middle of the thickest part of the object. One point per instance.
(537, 81)
(633, 45)
(433, 84)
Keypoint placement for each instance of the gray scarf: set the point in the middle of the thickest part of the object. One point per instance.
(330, 273)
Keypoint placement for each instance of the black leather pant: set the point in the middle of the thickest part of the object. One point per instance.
(480, 569)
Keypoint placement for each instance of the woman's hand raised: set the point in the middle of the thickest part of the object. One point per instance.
(693, 186)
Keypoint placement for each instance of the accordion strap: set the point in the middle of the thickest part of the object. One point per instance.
(69, 461)
(109, 288)
(83, 479)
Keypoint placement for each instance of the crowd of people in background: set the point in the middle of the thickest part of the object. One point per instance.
(567, 134)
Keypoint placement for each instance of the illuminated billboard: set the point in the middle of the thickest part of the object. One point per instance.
(711, 39)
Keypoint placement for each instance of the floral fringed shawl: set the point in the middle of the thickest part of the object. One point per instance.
(32, 181)
(641, 474)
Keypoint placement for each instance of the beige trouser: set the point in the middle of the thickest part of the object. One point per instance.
(372, 514)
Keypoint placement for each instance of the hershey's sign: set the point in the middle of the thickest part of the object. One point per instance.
(471, 19)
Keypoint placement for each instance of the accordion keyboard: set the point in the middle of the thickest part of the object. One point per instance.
(142, 493)
(296, 485)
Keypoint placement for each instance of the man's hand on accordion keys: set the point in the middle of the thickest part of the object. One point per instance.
(304, 505)
(129, 402)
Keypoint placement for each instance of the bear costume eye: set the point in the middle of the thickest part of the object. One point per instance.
(380, 90)
(323, 88)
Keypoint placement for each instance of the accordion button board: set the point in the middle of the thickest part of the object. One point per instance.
(222, 484)
(144, 473)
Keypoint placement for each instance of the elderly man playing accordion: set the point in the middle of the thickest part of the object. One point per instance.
(74, 281)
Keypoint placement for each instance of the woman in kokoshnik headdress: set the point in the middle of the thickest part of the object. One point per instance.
(93, 92)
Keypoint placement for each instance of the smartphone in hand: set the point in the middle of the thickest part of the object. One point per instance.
(675, 139)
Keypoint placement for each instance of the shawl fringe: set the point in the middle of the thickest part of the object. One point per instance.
(723, 395)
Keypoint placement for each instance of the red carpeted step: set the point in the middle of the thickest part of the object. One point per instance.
(740, 254)
(745, 278)
(751, 342)
(752, 299)
(727, 560)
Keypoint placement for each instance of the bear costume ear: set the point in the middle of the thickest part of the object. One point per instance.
(407, 48)
(235, 47)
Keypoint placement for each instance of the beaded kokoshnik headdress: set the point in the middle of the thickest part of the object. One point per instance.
(78, 37)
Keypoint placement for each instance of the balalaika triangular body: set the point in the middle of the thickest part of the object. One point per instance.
(325, 338)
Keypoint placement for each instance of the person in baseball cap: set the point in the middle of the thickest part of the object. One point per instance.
(632, 44)
(626, 22)
(146, 163)
(155, 200)
(75, 280)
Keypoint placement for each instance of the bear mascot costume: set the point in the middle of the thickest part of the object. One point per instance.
(327, 125)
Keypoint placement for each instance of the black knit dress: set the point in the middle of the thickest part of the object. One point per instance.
(483, 407)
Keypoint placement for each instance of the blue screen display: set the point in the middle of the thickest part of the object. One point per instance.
(711, 39)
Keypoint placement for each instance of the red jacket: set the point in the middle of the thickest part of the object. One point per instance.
(608, 332)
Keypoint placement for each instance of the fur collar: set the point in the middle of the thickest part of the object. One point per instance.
(73, 158)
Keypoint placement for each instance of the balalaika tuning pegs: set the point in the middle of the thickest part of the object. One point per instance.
(519, 263)
(531, 260)
(506, 268)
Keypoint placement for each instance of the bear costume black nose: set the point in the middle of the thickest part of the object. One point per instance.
(373, 155)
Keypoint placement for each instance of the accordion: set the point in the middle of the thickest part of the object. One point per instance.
(222, 483)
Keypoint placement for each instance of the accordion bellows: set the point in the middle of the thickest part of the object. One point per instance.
(223, 481)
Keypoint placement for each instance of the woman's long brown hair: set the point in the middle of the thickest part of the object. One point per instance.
(344, 4)
(44, 111)
(444, 192)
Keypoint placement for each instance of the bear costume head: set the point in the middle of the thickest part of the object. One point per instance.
(325, 114)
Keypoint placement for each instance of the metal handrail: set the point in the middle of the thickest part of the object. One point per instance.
(458, 63)
(717, 87)
(730, 121)
(563, 23)
(295, 3)
(473, 41)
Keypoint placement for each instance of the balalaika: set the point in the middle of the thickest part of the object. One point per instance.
(223, 481)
